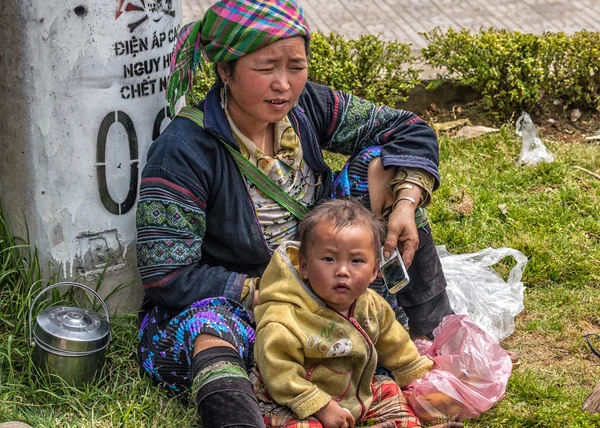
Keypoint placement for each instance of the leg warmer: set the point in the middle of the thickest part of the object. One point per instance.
(223, 393)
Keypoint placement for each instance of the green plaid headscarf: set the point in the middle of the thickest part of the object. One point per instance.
(229, 30)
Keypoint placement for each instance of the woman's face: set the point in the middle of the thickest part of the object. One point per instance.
(267, 83)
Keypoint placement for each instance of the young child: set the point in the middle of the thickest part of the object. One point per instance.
(321, 331)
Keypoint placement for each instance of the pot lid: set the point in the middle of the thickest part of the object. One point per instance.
(66, 326)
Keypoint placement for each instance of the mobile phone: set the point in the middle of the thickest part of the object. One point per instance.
(394, 272)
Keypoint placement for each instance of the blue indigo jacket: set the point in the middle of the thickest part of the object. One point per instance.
(198, 235)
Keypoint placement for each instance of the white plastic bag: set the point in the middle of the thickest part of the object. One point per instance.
(533, 149)
(477, 290)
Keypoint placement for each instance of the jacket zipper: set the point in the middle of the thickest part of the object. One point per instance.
(356, 325)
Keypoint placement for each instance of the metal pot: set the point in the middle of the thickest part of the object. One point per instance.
(68, 341)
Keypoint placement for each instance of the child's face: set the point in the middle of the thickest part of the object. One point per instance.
(340, 264)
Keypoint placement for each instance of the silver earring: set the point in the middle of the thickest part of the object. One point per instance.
(224, 96)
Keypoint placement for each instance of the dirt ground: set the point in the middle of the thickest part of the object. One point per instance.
(556, 124)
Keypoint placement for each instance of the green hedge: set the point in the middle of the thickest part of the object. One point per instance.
(368, 67)
(380, 71)
(516, 71)
(513, 71)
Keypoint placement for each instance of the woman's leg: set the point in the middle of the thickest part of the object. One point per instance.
(424, 299)
(204, 350)
(222, 390)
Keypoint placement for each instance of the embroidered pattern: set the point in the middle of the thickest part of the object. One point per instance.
(352, 180)
(363, 124)
(171, 226)
(167, 344)
(166, 214)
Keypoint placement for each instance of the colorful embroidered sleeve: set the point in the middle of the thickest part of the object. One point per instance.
(350, 124)
(171, 225)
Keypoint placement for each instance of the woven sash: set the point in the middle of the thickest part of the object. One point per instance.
(255, 175)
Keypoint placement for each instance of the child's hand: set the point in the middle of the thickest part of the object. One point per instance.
(335, 416)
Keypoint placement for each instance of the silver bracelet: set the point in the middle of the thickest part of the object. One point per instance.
(407, 198)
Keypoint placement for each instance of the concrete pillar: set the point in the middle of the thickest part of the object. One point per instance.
(83, 96)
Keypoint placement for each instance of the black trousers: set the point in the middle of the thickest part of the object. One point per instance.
(424, 299)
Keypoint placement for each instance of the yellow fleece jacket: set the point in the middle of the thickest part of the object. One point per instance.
(308, 353)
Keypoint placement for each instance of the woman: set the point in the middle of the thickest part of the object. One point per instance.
(206, 232)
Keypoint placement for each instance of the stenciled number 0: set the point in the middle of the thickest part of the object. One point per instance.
(109, 120)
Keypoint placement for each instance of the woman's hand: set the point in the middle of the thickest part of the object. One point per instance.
(402, 232)
(335, 416)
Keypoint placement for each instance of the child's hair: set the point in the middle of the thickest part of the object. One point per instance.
(343, 213)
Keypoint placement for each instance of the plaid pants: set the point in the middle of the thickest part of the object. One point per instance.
(388, 405)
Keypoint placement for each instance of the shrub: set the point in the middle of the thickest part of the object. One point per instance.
(507, 68)
(204, 80)
(517, 71)
(367, 67)
(576, 70)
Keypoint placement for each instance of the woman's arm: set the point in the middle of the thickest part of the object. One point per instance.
(348, 124)
(172, 224)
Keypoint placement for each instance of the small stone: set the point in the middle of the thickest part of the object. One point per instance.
(449, 126)
(467, 132)
(551, 121)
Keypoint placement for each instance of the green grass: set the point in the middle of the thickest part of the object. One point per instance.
(122, 398)
(552, 216)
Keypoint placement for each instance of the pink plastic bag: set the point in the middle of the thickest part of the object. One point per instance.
(470, 373)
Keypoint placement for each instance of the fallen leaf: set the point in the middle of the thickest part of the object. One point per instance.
(466, 206)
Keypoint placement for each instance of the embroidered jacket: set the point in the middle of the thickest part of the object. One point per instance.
(198, 236)
(308, 353)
